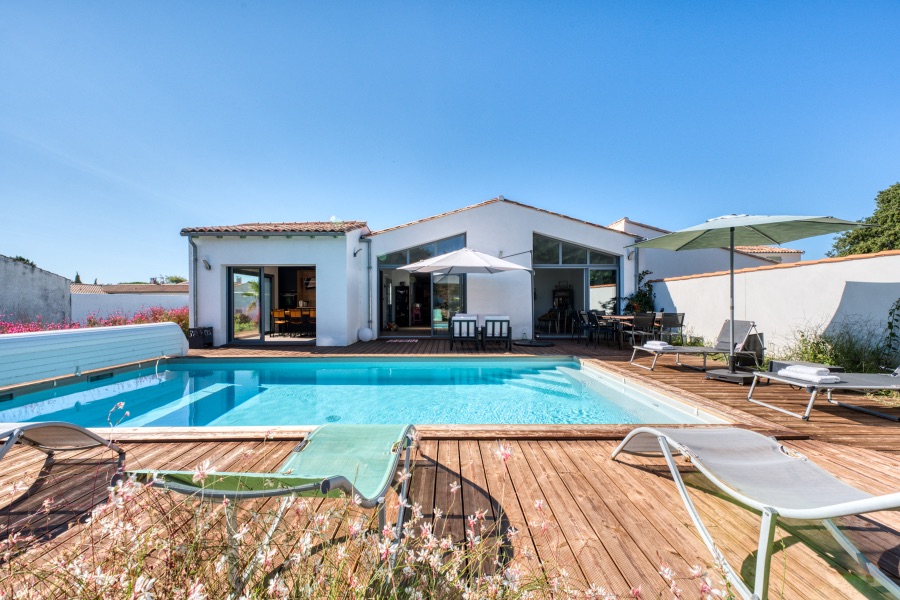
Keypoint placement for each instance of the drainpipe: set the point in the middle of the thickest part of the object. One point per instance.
(193, 319)
(369, 277)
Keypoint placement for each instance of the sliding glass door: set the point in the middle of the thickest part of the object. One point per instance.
(448, 295)
(246, 304)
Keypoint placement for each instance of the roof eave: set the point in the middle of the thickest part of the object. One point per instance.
(186, 233)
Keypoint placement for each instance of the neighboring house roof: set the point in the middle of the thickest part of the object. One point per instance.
(495, 201)
(85, 288)
(766, 249)
(278, 228)
(146, 288)
(800, 263)
(129, 288)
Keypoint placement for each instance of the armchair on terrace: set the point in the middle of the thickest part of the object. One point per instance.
(463, 328)
(496, 329)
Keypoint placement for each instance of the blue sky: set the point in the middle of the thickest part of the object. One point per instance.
(121, 123)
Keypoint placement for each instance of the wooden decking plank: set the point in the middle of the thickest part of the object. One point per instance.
(552, 546)
(508, 510)
(610, 527)
(450, 502)
(598, 565)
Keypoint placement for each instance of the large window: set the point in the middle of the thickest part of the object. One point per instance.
(417, 253)
(550, 251)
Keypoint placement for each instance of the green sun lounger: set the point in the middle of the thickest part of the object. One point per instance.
(359, 460)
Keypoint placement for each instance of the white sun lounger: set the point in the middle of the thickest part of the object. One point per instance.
(848, 381)
(758, 472)
(742, 331)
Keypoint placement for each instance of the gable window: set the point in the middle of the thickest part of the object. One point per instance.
(550, 251)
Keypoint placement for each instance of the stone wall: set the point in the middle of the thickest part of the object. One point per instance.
(27, 293)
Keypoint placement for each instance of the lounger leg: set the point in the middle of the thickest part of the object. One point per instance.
(812, 400)
(729, 573)
(876, 573)
(804, 416)
(634, 352)
(861, 409)
(764, 553)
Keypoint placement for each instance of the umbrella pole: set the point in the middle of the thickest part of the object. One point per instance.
(731, 367)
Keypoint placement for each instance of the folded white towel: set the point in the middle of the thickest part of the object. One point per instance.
(808, 377)
(807, 370)
(658, 346)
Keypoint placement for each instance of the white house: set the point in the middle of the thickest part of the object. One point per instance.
(343, 282)
(342, 279)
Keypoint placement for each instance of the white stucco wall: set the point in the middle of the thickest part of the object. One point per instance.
(105, 305)
(504, 229)
(337, 278)
(787, 298)
(665, 263)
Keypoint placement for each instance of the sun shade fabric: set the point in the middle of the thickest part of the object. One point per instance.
(366, 456)
(749, 230)
(752, 465)
(464, 260)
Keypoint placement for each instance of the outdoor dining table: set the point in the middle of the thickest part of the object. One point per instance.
(621, 321)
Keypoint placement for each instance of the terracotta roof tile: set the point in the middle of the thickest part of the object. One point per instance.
(281, 228)
(494, 201)
(802, 263)
(146, 288)
(85, 288)
(755, 249)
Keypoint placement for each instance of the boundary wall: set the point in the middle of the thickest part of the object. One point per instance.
(784, 299)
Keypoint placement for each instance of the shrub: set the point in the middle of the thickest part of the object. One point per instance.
(854, 344)
(154, 314)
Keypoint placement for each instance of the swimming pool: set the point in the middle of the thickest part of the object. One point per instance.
(273, 392)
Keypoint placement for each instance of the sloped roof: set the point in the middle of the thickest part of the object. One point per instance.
(769, 249)
(146, 288)
(495, 201)
(279, 228)
(791, 265)
(85, 288)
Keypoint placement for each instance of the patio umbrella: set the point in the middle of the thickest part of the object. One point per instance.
(464, 260)
(747, 230)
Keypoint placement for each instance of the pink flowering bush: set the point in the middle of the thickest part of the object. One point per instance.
(154, 314)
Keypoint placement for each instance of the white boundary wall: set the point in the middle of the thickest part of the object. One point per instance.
(128, 304)
(784, 299)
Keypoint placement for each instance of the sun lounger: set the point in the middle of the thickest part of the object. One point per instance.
(829, 383)
(359, 460)
(51, 437)
(742, 330)
(759, 473)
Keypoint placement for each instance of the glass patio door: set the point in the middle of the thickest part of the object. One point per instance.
(246, 304)
(447, 299)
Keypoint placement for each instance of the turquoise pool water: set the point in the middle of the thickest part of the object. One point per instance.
(311, 392)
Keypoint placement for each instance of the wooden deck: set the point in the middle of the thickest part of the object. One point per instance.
(605, 522)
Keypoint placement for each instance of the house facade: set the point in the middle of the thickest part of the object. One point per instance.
(340, 282)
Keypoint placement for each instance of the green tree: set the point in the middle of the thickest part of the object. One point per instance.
(175, 279)
(874, 239)
(24, 261)
(77, 277)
